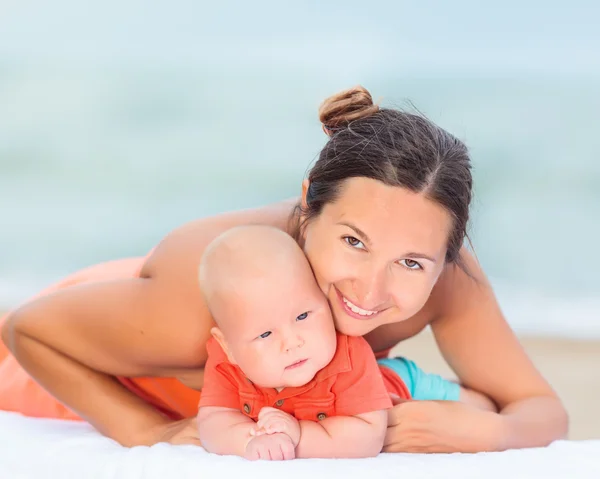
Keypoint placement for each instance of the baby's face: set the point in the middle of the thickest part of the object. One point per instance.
(281, 332)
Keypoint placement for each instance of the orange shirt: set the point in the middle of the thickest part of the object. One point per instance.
(350, 384)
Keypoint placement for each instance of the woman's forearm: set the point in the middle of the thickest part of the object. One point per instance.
(96, 397)
(533, 422)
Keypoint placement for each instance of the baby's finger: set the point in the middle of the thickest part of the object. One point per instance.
(251, 453)
(288, 450)
(276, 453)
(261, 426)
(262, 421)
(275, 426)
(269, 420)
(266, 410)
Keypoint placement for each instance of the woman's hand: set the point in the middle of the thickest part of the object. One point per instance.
(180, 432)
(441, 426)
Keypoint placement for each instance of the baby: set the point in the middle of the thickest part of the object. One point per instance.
(279, 381)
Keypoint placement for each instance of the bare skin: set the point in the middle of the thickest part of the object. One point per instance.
(119, 328)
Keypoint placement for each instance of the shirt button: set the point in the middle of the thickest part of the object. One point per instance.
(279, 403)
(247, 408)
(321, 416)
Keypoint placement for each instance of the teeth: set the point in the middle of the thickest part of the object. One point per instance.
(357, 310)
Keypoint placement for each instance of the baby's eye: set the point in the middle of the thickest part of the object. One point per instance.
(302, 317)
(411, 264)
(354, 242)
(265, 335)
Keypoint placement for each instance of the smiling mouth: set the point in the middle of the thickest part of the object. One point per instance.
(297, 364)
(352, 310)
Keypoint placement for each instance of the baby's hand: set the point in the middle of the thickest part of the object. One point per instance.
(272, 421)
(270, 447)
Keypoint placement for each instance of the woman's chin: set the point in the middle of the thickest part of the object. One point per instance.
(354, 327)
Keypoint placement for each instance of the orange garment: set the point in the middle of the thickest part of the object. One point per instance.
(350, 384)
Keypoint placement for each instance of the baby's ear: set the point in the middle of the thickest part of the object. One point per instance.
(220, 337)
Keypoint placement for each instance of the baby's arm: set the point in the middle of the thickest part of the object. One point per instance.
(361, 435)
(224, 431)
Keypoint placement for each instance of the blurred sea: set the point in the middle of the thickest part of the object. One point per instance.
(104, 147)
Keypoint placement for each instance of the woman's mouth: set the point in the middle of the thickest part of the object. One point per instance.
(353, 310)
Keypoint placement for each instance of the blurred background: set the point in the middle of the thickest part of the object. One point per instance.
(120, 120)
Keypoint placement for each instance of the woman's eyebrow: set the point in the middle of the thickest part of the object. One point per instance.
(413, 255)
(357, 230)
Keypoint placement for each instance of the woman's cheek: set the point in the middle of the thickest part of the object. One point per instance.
(411, 296)
(325, 263)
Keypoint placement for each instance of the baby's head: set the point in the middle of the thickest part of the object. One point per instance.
(272, 319)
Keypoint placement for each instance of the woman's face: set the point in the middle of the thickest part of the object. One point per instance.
(376, 253)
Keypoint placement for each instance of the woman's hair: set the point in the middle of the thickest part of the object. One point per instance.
(392, 146)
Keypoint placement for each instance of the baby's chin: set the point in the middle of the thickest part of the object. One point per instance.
(299, 379)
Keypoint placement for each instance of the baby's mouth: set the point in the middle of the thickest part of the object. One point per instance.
(297, 364)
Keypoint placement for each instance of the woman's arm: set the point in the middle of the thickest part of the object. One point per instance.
(74, 342)
(478, 344)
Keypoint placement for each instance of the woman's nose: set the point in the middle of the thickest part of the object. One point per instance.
(371, 289)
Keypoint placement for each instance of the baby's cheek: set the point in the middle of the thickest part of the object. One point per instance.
(254, 366)
(270, 369)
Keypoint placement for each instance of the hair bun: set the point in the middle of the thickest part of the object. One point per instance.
(339, 110)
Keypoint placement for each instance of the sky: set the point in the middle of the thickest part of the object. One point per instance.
(560, 36)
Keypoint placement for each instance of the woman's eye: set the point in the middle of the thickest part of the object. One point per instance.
(411, 264)
(302, 317)
(265, 335)
(355, 243)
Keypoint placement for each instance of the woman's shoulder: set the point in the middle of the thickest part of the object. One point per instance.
(178, 254)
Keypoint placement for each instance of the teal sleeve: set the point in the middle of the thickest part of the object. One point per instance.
(422, 386)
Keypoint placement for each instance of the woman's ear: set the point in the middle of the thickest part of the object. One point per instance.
(303, 202)
(220, 337)
(327, 131)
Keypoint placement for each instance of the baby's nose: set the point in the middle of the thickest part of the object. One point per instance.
(293, 341)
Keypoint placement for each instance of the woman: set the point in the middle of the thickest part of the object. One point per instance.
(382, 219)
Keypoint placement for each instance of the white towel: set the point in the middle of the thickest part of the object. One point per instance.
(45, 448)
